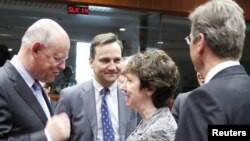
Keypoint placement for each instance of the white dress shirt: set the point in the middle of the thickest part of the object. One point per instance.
(218, 68)
(112, 102)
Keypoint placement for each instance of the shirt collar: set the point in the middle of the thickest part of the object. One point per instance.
(99, 87)
(22, 71)
(218, 68)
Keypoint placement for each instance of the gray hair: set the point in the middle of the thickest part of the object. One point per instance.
(223, 25)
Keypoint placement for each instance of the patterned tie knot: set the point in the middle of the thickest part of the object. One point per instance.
(104, 92)
(36, 86)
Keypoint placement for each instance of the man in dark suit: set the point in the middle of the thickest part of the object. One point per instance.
(83, 101)
(178, 103)
(24, 107)
(216, 43)
(181, 98)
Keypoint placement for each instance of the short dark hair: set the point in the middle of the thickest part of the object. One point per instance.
(155, 69)
(102, 39)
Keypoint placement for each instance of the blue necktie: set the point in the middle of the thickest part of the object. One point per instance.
(38, 93)
(108, 131)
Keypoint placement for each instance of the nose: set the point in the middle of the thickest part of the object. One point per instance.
(112, 66)
(62, 65)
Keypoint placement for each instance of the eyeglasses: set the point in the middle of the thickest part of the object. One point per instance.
(56, 58)
(188, 39)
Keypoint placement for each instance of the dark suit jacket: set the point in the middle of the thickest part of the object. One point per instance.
(21, 116)
(79, 103)
(177, 108)
(223, 100)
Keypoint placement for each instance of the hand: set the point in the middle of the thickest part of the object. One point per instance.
(58, 127)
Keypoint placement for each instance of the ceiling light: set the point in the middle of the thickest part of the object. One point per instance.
(160, 42)
(122, 29)
(5, 35)
(100, 8)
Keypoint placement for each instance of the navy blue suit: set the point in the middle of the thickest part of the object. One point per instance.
(223, 100)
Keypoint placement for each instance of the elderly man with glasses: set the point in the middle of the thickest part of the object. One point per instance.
(25, 111)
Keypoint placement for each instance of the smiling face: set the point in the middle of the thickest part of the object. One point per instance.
(134, 96)
(106, 63)
(147, 86)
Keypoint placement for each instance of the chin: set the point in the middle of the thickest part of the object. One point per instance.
(111, 80)
(129, 105)
(51, 79)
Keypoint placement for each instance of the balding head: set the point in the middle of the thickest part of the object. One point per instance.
(44, 49)
(44, 30)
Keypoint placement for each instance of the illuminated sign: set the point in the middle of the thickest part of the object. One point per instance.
(78, 9)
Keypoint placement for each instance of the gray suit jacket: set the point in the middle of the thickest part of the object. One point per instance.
(79, 103)
(53, 104)
(22, 118)
(223, 100)
(177, 108)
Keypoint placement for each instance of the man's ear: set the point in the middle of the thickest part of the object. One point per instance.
(91, 62)
(200, 43)
(36, 47)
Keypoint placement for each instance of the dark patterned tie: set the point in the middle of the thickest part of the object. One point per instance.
(36, 86)
(108, 131)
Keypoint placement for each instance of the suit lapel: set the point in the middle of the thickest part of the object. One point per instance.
(90, 105)
(25, 92)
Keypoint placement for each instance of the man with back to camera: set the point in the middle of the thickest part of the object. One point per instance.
(25, 111)
(216, 43)
(85, 102)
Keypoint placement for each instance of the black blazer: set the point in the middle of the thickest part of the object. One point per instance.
(223, 100)
(177, 108)
(22, 118)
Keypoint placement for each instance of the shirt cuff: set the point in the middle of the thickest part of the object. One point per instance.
(47, 135)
